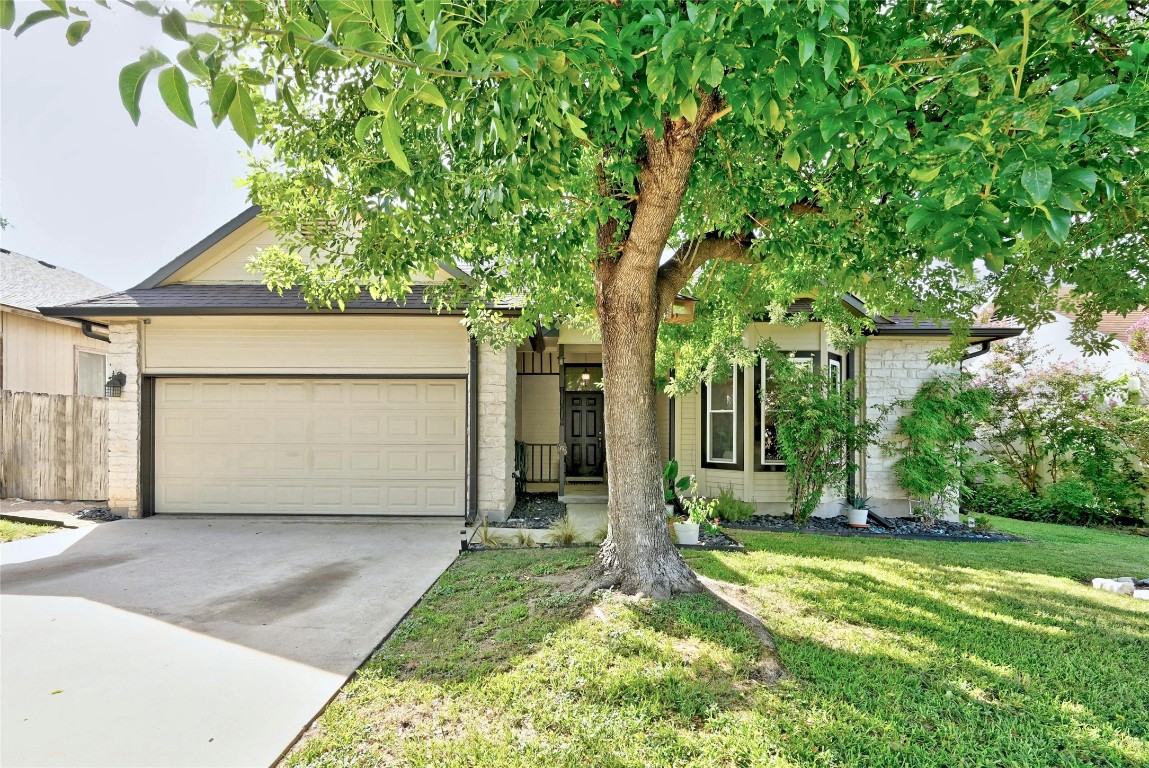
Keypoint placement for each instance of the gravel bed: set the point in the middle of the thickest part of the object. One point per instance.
(535, 510)
(903, 526)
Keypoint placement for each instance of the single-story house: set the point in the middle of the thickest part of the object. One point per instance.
(38, 353)
(239, 400)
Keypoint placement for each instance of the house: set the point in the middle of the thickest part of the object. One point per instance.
(55, 355)
(239, 400)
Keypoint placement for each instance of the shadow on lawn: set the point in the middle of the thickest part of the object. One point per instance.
(900, 656)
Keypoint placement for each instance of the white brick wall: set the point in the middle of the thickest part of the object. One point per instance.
(894, 369)
(497, 381)
(124, 421)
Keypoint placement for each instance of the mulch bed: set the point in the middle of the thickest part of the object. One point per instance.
(903, 528)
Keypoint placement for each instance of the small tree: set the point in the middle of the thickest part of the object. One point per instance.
(932, 438)
(1063, 422)
(818, 427)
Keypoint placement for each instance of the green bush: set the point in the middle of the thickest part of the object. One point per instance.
(732, 509)
(1068, 502)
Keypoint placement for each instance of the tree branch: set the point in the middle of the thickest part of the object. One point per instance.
(676, 273)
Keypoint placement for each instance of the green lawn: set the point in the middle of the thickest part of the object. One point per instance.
(10, 530)
(901, 653)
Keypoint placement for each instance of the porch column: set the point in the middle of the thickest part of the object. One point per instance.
(496, 460)
(124, 443)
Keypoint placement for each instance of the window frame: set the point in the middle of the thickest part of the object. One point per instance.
(76, 378)
(739, 418)
(761, 462)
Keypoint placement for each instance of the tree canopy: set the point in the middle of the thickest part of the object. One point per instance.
(900, 151)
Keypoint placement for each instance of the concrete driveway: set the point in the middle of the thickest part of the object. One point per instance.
(202, 641)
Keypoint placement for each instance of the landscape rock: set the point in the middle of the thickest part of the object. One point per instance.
(1112, 585)
(1129, 579)
(1141, 594)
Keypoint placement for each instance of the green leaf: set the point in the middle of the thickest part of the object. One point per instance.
(174, 25)
(1080, 177)
(1057, 225)
(385, 16)
(577, 126)
(132, 79)
(220, 98)
(7, 13)
(430, 94)
(918, 219)
(242, 116)
(373, 100)
(1121, 121)
(77, 30)
(34, 18)
(364, 126)
(925, 175)
(392, 143)
(1037, 180)
(191, 63)
(59, 6)
(805, 45)
(174, 91)
(791, 157)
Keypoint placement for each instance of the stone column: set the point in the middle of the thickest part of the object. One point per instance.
(124, 421)
(894, 370)
(496, 460)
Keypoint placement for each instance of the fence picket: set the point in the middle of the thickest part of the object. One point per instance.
(53, 446)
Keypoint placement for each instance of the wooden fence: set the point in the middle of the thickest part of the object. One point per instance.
(53, 446)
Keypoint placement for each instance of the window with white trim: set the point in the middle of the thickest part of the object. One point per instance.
(91, 373)
(722, 420)
(769, 456)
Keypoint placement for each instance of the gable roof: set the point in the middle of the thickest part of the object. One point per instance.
(200, 248)
(235, 299)
(28, 283)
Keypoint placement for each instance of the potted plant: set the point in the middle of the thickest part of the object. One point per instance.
(699, 510)
(672, 485)
(857, 511)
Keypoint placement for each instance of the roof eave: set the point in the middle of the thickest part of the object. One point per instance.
(197, 250)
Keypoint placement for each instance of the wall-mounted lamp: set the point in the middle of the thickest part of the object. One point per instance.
(115, 385)
(584, 379)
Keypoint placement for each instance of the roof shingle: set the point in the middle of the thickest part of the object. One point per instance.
(27, 283)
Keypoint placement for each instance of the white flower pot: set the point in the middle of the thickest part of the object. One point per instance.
(857, 518)
(686, 533)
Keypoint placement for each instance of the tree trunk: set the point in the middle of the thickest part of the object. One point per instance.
(638, 555)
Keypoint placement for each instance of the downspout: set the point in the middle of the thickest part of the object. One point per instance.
(983, 347)
(87, 329)
(473, 432)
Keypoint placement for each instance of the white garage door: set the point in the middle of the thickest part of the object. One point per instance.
(318, 446)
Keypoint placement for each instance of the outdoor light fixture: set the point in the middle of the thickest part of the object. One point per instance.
(115, 385)
(584, 379)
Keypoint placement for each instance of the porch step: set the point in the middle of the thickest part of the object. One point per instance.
(582, 498)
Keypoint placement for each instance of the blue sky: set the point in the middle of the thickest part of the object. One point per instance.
(80, 185)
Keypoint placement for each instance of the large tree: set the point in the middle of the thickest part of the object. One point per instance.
(594, 158)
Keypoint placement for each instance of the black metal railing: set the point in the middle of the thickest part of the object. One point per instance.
(536, 463)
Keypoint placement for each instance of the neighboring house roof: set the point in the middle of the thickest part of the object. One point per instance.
(230, 299)
(1114, 324)
(903, 325)
(27, 283)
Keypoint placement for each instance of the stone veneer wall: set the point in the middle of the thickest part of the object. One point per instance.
(497, 382)
(124, 421)
(894, 370)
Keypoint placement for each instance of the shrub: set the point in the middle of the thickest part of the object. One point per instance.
(932, 437)
(1068, 502)
(819, 428)
(732, 509)
(1139, 339)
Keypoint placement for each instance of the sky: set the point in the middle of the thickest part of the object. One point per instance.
(83, 188)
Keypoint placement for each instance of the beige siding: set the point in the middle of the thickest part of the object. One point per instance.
(227, 261)
(310, 446)
(322, 344)
(39, 354)
(764, 488)
(662, 424)
(538, 409)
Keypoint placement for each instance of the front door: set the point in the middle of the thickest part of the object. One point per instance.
(584, 434)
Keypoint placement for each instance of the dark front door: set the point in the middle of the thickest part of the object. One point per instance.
(584, 434)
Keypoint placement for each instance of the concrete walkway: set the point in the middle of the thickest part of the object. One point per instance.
(195, 641)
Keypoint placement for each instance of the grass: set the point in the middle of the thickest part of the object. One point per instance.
(900, 653)
(10, 530)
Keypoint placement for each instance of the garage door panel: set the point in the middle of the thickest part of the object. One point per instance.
(300, 446)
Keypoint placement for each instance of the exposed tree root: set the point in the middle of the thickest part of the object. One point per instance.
(769, 669)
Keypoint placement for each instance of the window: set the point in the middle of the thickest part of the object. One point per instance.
(91, 373)
(721, 409)
(766, 433)
(834, 369)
